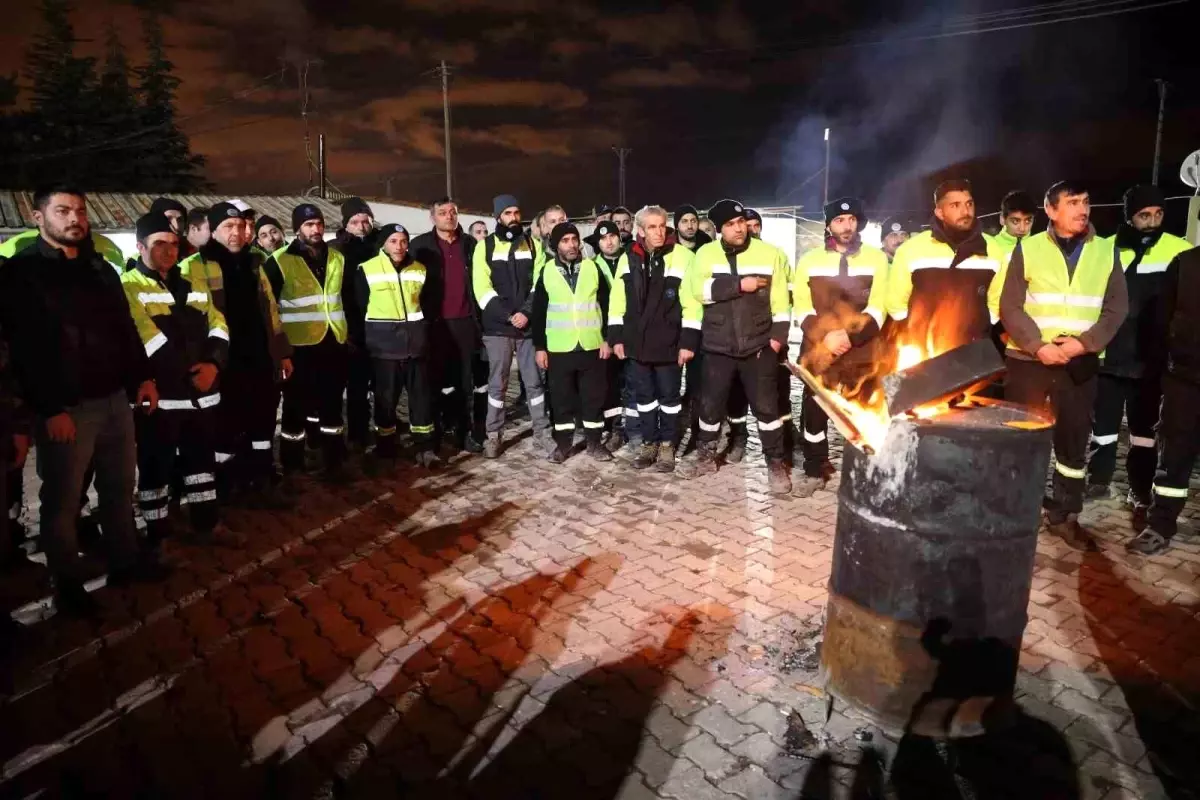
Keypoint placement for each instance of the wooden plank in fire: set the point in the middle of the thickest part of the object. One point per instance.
(824, 398)
(941, 378)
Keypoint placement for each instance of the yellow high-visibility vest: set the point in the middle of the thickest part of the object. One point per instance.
(307, 309)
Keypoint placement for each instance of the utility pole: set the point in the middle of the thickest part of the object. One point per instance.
(622, 154)
(826, 200)
(321, 165)
(444, 71)
(1162, 109)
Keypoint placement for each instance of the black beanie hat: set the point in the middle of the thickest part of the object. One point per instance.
(724, 211)
(154, 222)
(162, 205)
(353, 206)
(264, 221)
(751, 214)
(303, 213)
(561, 230)
(683, 211)
(846, 205)
(1142, 196)
(388, 231)
(894, 225)
(605, 228)
(501, 202)
(221, 212)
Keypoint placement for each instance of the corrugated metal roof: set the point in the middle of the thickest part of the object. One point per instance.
(109, 211)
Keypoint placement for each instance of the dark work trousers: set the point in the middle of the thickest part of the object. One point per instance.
(578, 388)
(815, 423)
(1139, 399)
(245, 427)
(7, 542)
(618, 398)
(758, 377)
(314, 390)
(393, 376)
(1179, 436)
(177, 441)
(1032, 383)
(360, 378)
(693, 378)
(104, 432)
(460, 374)
(656, 395)
(737, 413)
(785, 403)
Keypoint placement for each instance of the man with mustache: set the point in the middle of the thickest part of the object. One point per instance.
(1064, 298)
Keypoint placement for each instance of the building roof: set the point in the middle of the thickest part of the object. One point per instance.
(109, 211)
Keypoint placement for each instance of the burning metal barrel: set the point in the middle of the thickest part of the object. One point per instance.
(933, 559)
(932, 565)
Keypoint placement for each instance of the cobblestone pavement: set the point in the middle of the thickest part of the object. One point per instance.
(514, 629)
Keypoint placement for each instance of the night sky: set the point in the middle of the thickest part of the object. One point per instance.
(715, 98)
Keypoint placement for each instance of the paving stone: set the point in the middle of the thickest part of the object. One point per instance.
(690, 784)
(753, 784)
(724, 728)
(715, 760)
(769, 718)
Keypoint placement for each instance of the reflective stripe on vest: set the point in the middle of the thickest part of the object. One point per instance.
(1063, 306)
(572, 318)
(395, 296)
(307, 309)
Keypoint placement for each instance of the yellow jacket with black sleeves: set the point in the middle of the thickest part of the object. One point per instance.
(180, 326)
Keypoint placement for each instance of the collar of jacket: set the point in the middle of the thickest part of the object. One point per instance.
(574, 265)
(852, 250)
(1130, 238)
(971, 244)
(407, 261)
(215, 251)
(743, 247)
(299, 248)
(639, 248)
(1072, 240)
(86, 249)
(153, 273)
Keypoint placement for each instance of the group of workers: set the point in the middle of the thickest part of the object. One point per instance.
(162, 378)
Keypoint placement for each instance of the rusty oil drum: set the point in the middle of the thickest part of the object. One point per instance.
(932, 566)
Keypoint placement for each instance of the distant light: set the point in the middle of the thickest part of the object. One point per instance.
(827, 134)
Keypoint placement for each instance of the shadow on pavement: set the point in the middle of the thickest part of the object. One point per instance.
(1138, 644)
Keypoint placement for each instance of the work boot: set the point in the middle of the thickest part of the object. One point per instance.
(666, 458)
(428, 459)
(811, 484)
(737, 450)
(1096, 491)
(631, 450)
(778, 479)
(647, 455)
(543, 441)
(468, 444)
(1140, 517)
(559, 454)
(616, 441)
(1074, 534)
(598, 452)
(491, 448)
(1148, 543)
(72, 600)
(704, 464)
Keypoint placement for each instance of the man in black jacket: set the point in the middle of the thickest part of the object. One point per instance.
(356, 242)
(1179, 428)
(79, 361)
(646, 325)
(457, 369)
(503, 277)
(1125, 387)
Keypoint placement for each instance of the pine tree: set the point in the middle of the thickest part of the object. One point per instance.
(63, 103)
(118, 123)
(166, 163)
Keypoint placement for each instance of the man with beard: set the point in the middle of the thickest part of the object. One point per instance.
(1126, 386)
(657, 328)
(79, 362)
(623, 219)
(502, 277)
(306, 279)
(1016, 220)
(943, 283)
(390, 289)
(268, 236)
(356, 242)
(456, 368)
(568, 331)
(743, 285)
(895, 233)
(837, 294)
(687, 228)
(613, 258)
(259, 358)
(1064, 299)
(188, 343)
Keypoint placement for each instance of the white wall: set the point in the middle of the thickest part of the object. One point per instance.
(781, 232)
